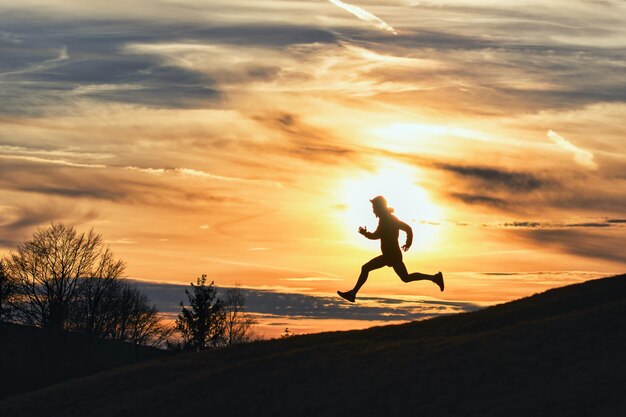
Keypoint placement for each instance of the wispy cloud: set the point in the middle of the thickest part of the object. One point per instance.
(121, 241)
(48, 64)
(61, 153)
(74, 180)
(9, 38)
(152, 171)
(364, 15)
(62, 162)
(206, 175)
(311, 279)
(188, 172)
(555, 225)
(581, 156)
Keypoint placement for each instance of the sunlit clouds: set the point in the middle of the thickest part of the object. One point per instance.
(244, 139)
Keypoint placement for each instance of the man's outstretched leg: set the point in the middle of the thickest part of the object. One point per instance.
(375, 263)
(417, 276)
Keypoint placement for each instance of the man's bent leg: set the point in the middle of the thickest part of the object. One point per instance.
(400, 269)
(404, 275)
(375, 263)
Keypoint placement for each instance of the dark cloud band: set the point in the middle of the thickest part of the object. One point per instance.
(168, 298)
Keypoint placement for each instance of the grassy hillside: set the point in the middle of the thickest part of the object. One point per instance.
(32, 358)
(559, 353)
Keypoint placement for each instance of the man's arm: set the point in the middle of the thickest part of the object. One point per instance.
(370, 235)
(409, 235)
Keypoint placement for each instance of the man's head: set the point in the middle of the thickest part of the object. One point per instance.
(379, 206)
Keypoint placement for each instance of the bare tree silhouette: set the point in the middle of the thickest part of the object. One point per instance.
(7, 292)
(238, 325)
(47, 270)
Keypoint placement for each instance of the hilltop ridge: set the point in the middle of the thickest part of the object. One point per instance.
(557, 353)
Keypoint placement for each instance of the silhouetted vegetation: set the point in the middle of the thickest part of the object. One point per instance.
(109, 308)
(7, 294)
(199, 325)
(64, 302)
(67, 312)
(63, 280)
(237, 325)
(210, 321)
(48, 268)
(287, 333)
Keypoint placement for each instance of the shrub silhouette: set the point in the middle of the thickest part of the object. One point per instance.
(211, 321)
(201, 325)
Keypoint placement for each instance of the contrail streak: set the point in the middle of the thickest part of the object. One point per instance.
(364, 15)
(581, 156)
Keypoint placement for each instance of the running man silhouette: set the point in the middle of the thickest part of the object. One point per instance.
(387, 231)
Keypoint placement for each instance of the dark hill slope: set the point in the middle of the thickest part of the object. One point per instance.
(31, 358)
(559, 353)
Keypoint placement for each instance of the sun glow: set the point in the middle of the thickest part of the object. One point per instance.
(398, 183)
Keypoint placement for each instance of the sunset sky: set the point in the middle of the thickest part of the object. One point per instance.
(243, 139)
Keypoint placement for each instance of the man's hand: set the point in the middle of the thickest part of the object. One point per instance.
(363, 230)
(406, 247)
